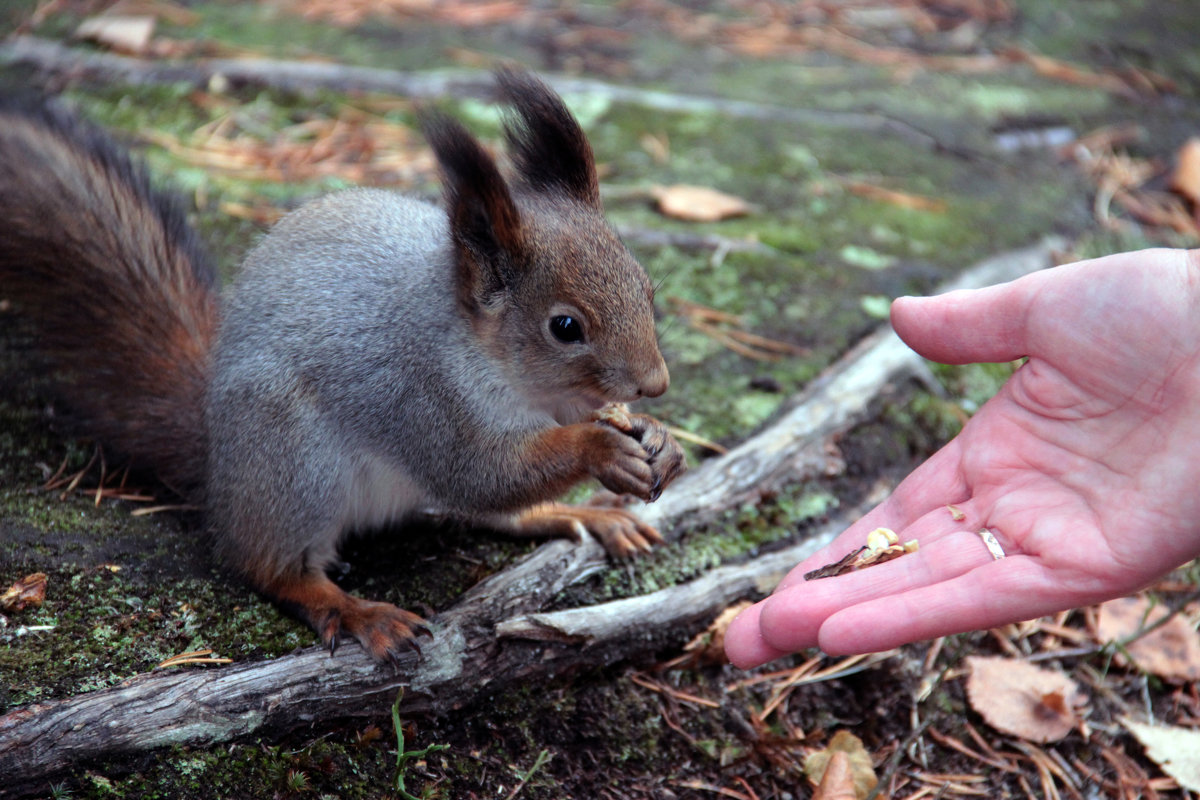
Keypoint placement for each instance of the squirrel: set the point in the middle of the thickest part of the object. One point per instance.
(377, 355)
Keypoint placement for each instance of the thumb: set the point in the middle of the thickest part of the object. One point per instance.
(967, 326)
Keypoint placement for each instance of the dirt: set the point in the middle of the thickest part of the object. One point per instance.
(915, 96)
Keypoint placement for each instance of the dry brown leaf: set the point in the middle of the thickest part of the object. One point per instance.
(882, 545)
(1171, 651)
(895, 197)
(708, 646)
(26, 592)
(1176, 750)
(1017, 698)
(1186, 178)
(357, 147)
(159, 9)
(468, 13)
(125, 34)
(698, 203)
(858, 760)
(264, 215)
(837, 783)
(1067, 72)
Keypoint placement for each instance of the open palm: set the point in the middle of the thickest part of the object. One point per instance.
(1085, 466)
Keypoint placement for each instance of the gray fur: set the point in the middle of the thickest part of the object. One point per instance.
(333, 403)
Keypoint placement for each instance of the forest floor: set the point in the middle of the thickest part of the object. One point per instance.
(863, 150)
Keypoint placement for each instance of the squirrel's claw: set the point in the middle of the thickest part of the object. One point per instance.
(622, 533)
(664, 456)
(383, 629)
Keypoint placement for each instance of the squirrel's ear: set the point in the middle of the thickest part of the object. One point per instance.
(484, 222)
(547, 144)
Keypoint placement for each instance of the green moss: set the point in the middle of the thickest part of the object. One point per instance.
(344, 765)
(974, 384)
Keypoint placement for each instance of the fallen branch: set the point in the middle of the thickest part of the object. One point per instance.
(673, 608)
(496, 636)
(649, 237)
(61, 61)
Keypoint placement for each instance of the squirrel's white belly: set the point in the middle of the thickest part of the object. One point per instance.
(381, 492)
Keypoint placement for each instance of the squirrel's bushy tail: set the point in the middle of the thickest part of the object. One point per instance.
(110, 286)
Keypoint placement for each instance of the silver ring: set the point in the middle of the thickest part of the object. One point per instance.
(993, 546)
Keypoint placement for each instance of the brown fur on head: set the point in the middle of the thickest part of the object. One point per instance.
(551, 290)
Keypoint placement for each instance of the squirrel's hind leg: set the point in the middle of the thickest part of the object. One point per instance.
(384, 630)
(622, 532)
(283, 489)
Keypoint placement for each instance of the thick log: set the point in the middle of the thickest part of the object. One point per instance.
(497, 635)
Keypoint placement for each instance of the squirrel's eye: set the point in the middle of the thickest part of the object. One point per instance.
(566, 329)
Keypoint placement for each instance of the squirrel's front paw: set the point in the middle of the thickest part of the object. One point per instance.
(621, 463)
(664, 456)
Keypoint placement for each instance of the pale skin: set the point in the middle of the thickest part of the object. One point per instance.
(1085, 466)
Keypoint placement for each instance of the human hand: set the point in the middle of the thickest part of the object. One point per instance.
(1085, 465)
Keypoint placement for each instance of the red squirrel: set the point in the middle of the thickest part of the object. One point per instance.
(375, 356)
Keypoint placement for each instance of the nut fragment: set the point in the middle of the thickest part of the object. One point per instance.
(614, 414)
(880, 539)
(882, 545)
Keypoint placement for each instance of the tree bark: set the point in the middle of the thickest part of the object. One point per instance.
(497, 635)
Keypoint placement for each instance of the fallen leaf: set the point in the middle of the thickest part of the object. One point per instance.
(895, 197)
(708, 646)
(1176, 750)
(1171, 651)
(1067, 72)
(698, 203)
(858, 764)
(837, 782)
(1018, 698)
(26, 592)
(159, 9)
(1185, 180)
(125, 34)
(882, 545)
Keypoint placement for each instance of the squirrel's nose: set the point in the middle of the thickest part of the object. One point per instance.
(655, 381)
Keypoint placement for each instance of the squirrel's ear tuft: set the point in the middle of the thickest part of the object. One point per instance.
(484, 221)
(547, 144)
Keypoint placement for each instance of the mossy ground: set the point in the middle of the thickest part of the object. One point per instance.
(125, 592)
